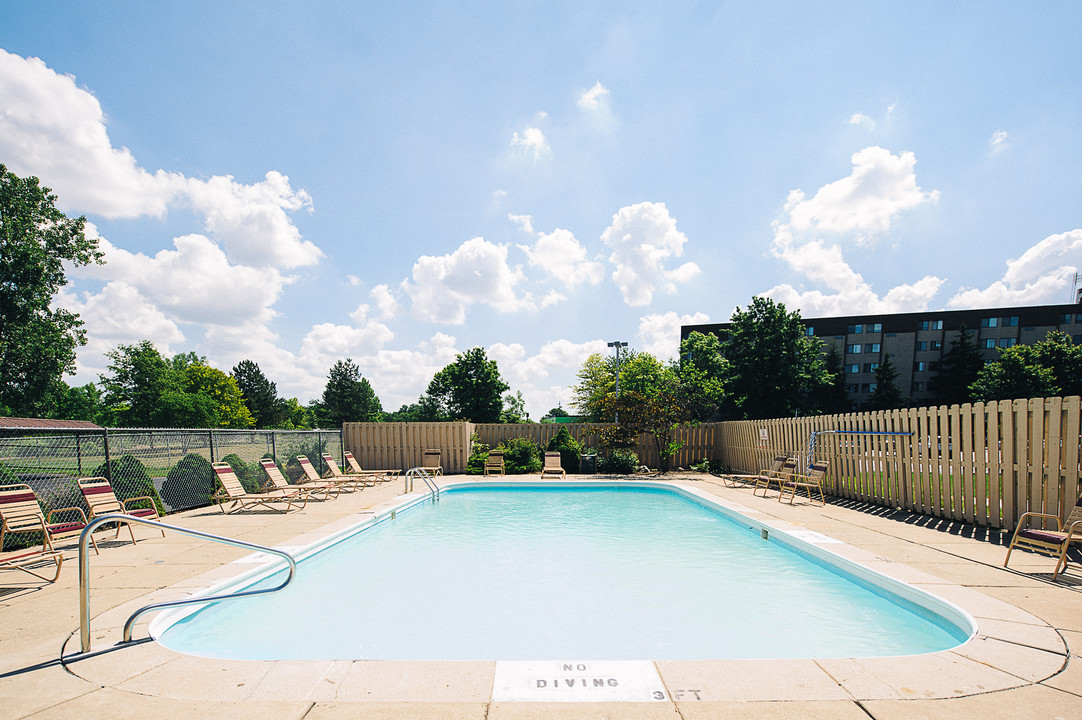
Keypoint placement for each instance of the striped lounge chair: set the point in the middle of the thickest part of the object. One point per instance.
(99, 496)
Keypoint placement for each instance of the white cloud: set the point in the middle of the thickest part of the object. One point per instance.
(862, 119)
(998, 142)
(880, 186)
(1041, 275)
(444, 287)
(595, 98)
(643, 237)
(563, 257)
(546, 377)
(659, 334)
(385, 300)
(532, 142)
(523, 221)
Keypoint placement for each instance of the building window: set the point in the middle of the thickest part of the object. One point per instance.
(920, 366)
(936, 325)
(875, 327)
(989, 343)
(1066, 318)
(1007, 342)
(855, 329)
(852, 348)
(871, 347)
(1078, 339)
(864, 387)
(871, 367)
(854, 368)
(852, 388)
(809, 331)
(922, 345)
(918, 387)
(935, 345)
(922, 325)
(872, 387)
(1012, 321)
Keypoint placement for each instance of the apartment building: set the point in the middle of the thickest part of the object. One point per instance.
(916, 342)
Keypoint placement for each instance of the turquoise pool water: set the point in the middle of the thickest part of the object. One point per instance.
(546, 573)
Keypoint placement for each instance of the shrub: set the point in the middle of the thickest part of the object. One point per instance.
(478, 454)
(130, 479)
(570, 450)
(521, 456)
(190, 482)
(618, 462)
(250, 476)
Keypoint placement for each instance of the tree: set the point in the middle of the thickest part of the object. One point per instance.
(831, 397)
(514, 408)
(37, 342)
(1049, 368)
(347, 397)
(887, 395)
(657, 414)
(260, 395)
(556, 412)
(78, 403)
(701, 371)
(596, 380)
(774, 366)
(222, 391)
(139, 379)
(425, 409)
(958, 369)
(470, 388)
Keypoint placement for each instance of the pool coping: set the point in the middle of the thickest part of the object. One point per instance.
(1011, 648)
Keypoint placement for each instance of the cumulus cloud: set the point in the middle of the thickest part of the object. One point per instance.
(523, 221)
(660, 333)
(545, 378)
(1041, 275)
(532, 142)
(643, 238)
(563, 257)
(854, 208)
(595, 98)
(444, 287)
(385, 300)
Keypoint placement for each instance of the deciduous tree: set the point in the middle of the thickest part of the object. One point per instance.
(1049, 368)
(348, 397)
(470, 388)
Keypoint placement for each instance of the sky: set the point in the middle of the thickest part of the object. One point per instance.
(396, 183)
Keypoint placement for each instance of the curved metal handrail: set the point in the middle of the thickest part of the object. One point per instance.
(84, 573)
(423, 474)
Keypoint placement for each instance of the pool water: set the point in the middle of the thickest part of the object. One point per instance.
(542, 573)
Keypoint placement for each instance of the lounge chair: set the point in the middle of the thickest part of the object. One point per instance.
(29, 561)
(312, 478)
(433, 459)
(771, 477)
(232, 491)
(277, 482)
(811, 480)
(101, 500)
(21, 513)
(494, 463)
(1055, 543)
(553, 466)
(355, 469)
(362, 478)
(774, 467)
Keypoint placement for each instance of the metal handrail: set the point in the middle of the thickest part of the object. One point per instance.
(84, 572)
(423, 474)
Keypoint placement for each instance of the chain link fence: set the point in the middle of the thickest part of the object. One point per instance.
(171, 467)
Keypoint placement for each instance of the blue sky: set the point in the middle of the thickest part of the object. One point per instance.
(295, 183)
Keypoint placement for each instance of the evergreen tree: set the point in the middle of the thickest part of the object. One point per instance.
(958, 369)
(831, 398)
(260, 395)
(348, 397)
(887, 395)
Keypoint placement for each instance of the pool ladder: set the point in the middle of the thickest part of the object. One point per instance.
(84, 573)
(420, 472)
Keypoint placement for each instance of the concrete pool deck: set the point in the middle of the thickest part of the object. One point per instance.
(1024, 661)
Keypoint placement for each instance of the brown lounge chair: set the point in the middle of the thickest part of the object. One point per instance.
(433, 461)
(494, 463)
(355, 469)
(313, 479)
(276, 481)
(811, 480)
(21, 513)
(232, 491)
(101, 499)
(361, 479)
(1055, 543)
(765, 479)
(552, 466)
(773, 468)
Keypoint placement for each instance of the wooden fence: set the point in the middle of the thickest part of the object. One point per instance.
(985, 463)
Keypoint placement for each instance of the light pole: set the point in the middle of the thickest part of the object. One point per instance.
(617, 344)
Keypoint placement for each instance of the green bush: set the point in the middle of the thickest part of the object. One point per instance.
(251, 476)
(521, 456)
(570, 450)
(478, 454)
(190, 482)
(130, 479)
(618, 462)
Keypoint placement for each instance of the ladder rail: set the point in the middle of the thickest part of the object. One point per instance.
(423, 474)
(84, 573)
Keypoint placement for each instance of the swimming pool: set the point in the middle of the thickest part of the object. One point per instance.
(613, 571)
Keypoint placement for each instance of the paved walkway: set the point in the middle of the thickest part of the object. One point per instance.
(1022, 664)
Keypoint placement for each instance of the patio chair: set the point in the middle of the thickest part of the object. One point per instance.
(773, 467)
(100, 498)
(553, 466)
(433, 458)
(277, 482)
(231, 491)
(362, 478)
(811, 480)
(313, 478)
(494, 463)
(1055, 543)
(771, 477)
(21, 513)
(355, 469)
(28, 561)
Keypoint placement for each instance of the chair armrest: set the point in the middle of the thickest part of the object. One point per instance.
(1044, 516)
(82, 514)
(149, 499)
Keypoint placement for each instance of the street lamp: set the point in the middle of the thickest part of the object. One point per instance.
(617, 344)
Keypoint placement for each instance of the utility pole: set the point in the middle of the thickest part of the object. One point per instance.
(617, 344)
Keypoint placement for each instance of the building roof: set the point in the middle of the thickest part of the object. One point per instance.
(17, 423)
